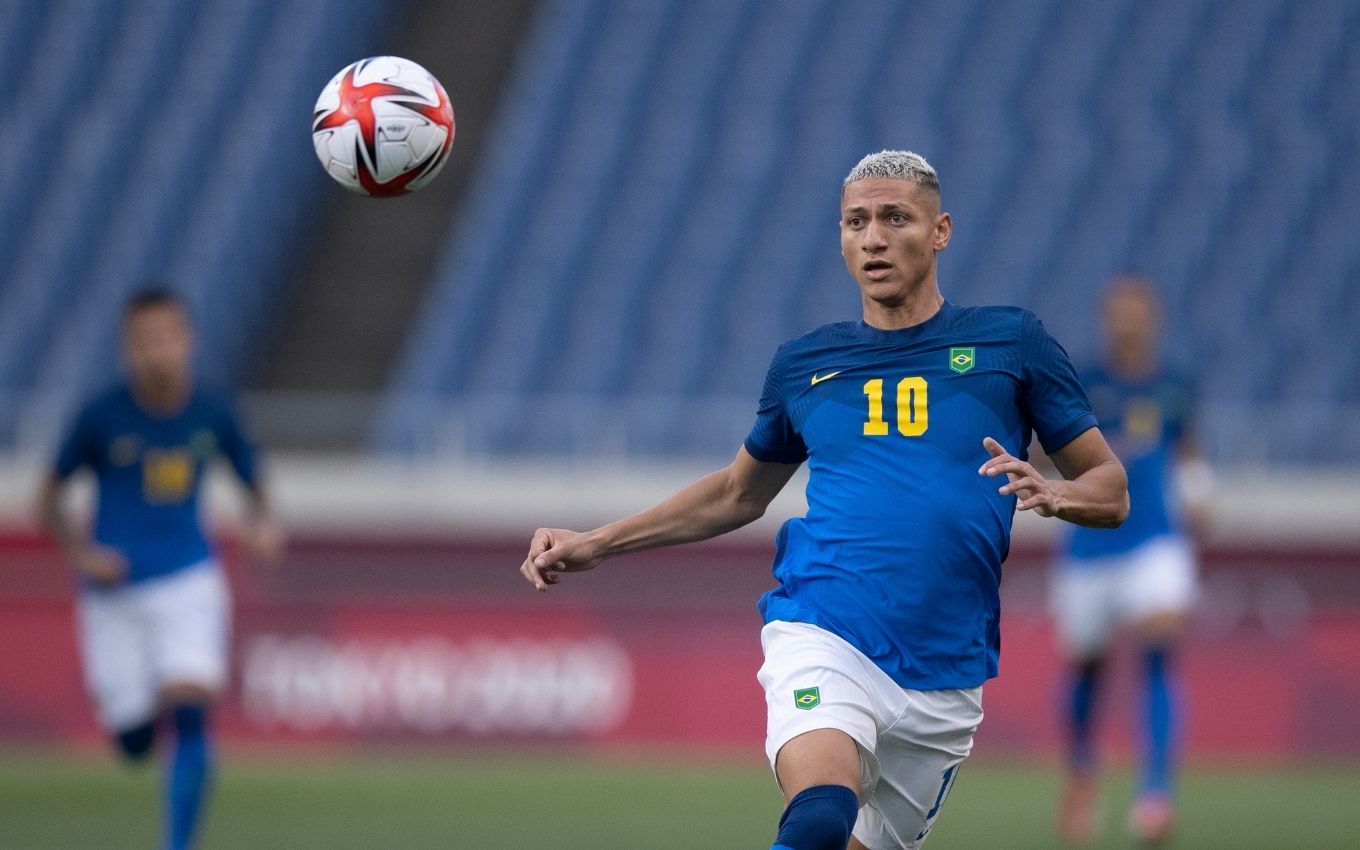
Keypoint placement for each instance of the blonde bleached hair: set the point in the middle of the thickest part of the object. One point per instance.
(895, 165)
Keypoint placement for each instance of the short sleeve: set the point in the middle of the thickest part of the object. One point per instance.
(1056, 407)
(773, 439)
(81, 446)
(236, 445)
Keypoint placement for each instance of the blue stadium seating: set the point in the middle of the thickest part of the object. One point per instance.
(153, 140)
(653, 209)
(655, 213)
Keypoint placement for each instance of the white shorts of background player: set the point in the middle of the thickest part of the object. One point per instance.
(1092, 599)
(911, 743)
(137, 638)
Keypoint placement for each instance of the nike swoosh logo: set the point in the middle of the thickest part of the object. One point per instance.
(817, 379)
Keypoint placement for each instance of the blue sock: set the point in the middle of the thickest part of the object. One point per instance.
(1081, 750)
(818, 818)
(189, 776)
(1159, 721)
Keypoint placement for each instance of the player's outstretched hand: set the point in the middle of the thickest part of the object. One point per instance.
(554, 551)
(100, 564)
(1035, 492)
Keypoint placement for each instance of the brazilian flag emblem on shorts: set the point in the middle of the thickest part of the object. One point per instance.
(806, 698)
(961, 359)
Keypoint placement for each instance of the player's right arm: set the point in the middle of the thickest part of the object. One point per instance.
(721, 501)
(99, 564)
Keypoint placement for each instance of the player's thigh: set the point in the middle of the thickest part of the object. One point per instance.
(1084, 606)
(919, 760)
(191, 614)
(115, 653)
(818, 706)
(1158, 587)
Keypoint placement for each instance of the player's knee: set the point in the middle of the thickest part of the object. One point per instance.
(187, 693)
(1161, 629)
(819, 757)
(819, 818)
(135, 744)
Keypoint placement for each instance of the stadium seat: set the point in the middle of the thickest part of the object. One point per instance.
(198, 177)
(677, 238)
(651, 213)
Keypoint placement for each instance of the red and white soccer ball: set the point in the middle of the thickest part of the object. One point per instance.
(383, 126)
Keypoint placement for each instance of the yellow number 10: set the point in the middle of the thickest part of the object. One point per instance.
(912, 416)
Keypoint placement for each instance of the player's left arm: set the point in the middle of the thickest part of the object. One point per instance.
(260, 532)
(1093, 490)
(1195, 485)
(1192, 476)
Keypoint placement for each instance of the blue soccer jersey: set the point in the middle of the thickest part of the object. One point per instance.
(1143, 420)
(149, 471)
(901, 548)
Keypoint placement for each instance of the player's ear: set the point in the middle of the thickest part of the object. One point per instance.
(944, 229)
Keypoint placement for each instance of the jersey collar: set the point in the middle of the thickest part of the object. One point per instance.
(942, 318)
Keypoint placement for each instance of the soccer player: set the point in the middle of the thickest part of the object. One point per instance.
(1140, 575)
(153, 608)
(914, 422)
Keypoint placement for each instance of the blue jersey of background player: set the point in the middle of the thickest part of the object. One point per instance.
(884, 623)
(1140, 575)
(1147, 420)
(153, 607)
(149, 471)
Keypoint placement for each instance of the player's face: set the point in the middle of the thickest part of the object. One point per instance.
(891, 231)
(158, 344)
(1132, 319)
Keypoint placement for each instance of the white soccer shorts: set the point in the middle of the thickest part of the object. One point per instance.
(911, 743)
(1091, 599)
(137, 638)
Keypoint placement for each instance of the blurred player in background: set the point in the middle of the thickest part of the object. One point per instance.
(153, 606)
(1140, 575)
(885, 621)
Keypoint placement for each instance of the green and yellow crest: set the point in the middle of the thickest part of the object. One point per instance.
(807, 698)
(961, 359)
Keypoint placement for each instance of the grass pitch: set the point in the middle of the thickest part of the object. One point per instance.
(521, 803)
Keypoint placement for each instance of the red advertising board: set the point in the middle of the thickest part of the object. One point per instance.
(357, 641)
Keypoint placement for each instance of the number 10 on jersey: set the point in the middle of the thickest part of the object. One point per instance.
(912, 415)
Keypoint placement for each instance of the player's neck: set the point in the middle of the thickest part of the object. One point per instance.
(913, 310)
(162, 397)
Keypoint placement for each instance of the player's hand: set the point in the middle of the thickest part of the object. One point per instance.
(101, 565)
(1035, 492)
(264, 539)
(555, 551)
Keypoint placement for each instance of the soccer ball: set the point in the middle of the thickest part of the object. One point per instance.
(383, 126)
